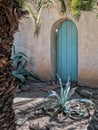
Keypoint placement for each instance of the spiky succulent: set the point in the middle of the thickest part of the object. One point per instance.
(20, 63)
(61, 102)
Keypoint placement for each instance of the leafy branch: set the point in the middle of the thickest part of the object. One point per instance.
(77, 7)
(35, 12)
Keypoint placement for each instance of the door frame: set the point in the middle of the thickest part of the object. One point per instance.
(53, 47)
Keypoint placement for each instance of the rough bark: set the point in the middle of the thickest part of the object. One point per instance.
(94, 121)
(10, 13)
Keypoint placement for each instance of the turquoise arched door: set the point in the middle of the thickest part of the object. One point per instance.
(67, 51)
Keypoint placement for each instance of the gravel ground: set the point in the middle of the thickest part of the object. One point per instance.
(31, 95)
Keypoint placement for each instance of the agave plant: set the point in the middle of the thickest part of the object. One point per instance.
(61, 102)
(20, 64)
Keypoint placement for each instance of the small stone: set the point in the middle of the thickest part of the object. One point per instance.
(90, 127)
(86, 93)
(37, 126)
(20, 121)
(95, 96)
(25, 126)
(25, 88)
(18, 90)
(55, 128)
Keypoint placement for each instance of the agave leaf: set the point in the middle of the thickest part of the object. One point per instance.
(13, 50)
(23, 72)
(29, 75)
(71, 92)
(20, 63)
(79, 112)
(16, 62)
(19, 60)
(53, 94)
(85, 101)
(24, 65)
(61, 87)
(19, 76)
(79, 115)
(68, 111)
(34, 77)
(66, 91)
(22, 54)
(19, 54)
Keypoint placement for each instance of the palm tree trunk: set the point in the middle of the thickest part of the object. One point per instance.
(94, 121)
(10, 13)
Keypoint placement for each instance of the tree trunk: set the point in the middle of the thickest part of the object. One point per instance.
(94, 121)
(10, 13)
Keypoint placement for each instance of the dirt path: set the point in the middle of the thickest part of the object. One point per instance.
(28, 99)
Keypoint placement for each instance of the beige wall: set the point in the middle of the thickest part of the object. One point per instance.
(88, 50)
(41, 50)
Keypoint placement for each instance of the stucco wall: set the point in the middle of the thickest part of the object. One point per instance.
(42, 49)
(88, 50)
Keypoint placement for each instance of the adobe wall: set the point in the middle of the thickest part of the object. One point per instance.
(41, 50)
(88, 50)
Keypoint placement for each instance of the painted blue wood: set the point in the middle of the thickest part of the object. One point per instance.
(67, 51)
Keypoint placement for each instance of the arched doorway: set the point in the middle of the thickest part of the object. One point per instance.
(67, 51)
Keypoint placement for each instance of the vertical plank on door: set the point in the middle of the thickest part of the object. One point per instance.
(67, 51)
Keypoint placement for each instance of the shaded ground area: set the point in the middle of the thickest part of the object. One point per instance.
(31, 95)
